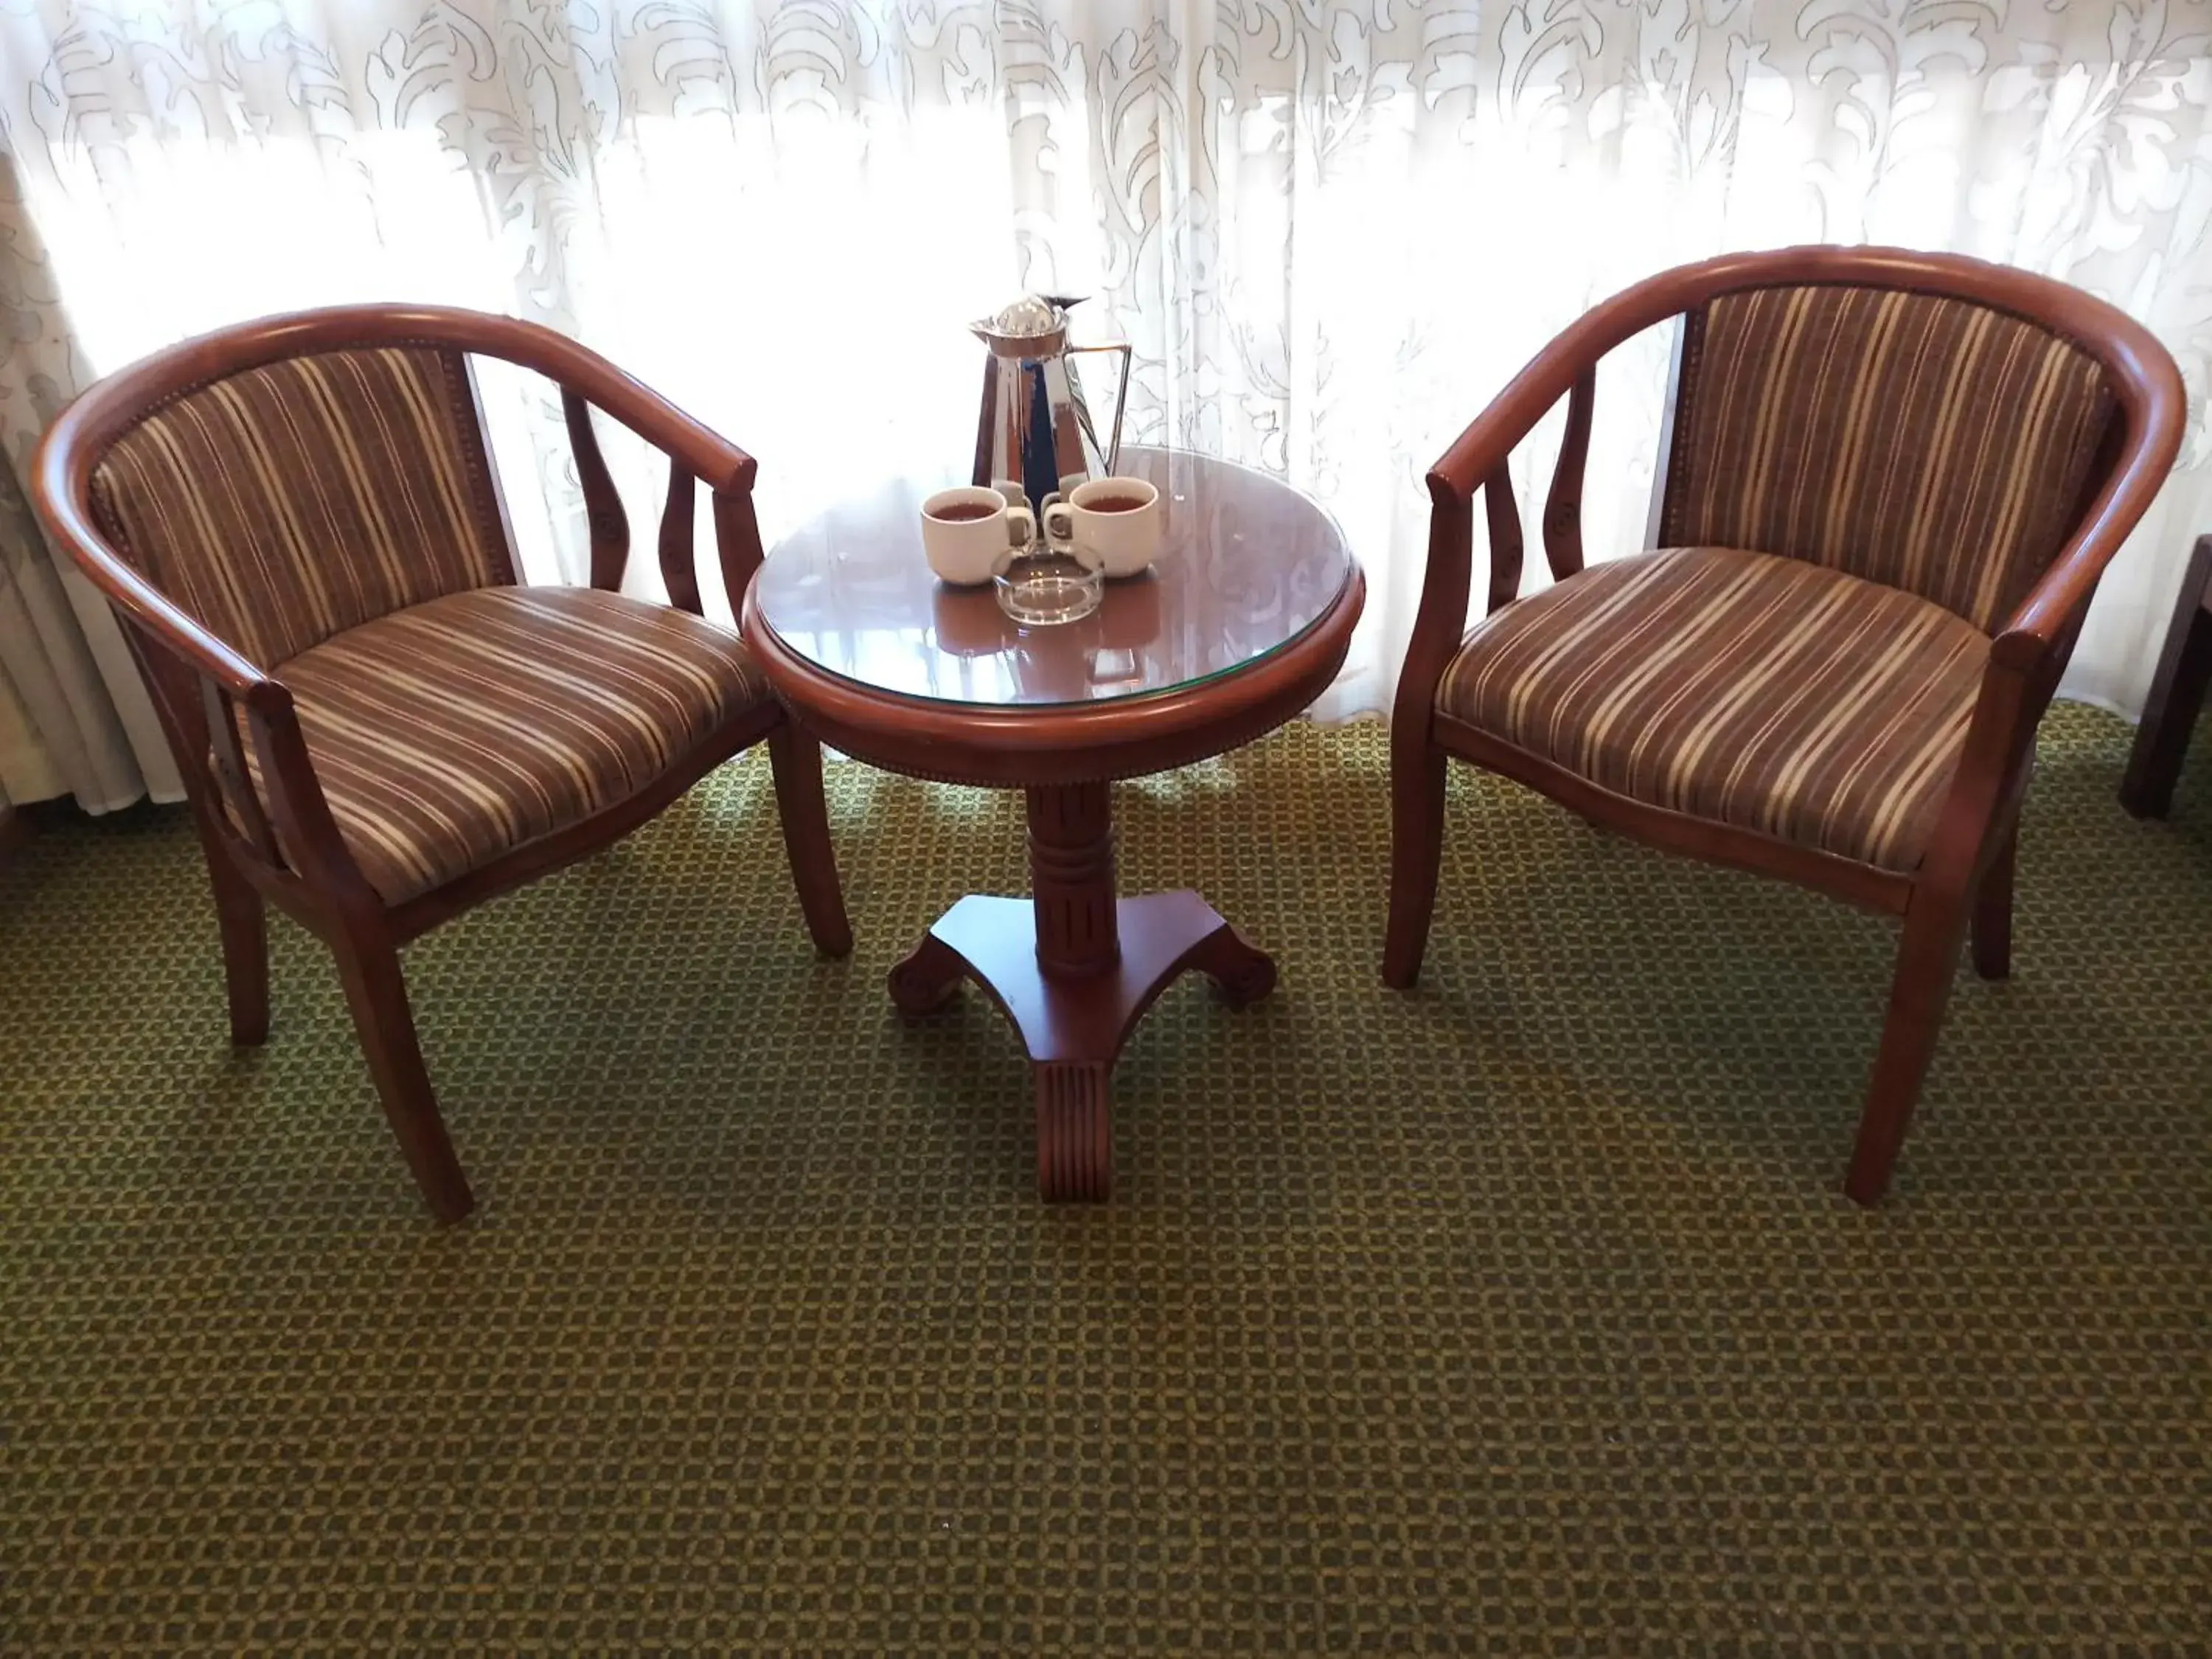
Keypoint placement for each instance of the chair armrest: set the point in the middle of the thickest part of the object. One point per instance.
(698, 448)
(1477, 460)
(694, 450)
(587, 379)
(60, 501)
(570, 364)
(197, 680)
(1491, 438)
(2154, 410)
(1551, 373)
(305, 835)
(2030, 653)
(61, 483)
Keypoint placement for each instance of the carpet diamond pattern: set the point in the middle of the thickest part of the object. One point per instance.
(1520, 1313)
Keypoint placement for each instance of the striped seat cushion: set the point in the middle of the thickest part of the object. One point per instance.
(1761, 692)
(1929, 443)
(448, 733)
(284, 504)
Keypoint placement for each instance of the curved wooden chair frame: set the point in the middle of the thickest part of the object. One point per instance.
(201, 688)
(1967, 869)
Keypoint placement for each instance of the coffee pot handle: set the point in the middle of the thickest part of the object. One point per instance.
(1121, 396)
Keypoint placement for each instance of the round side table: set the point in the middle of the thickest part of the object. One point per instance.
(1243, 621)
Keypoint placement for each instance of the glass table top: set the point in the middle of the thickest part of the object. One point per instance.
(1247, 565)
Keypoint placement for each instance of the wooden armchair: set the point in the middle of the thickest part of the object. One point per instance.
(1892, 482)
(297, 521)
(2176, 694)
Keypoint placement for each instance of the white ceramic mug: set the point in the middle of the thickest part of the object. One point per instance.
(1117, 519)
(965, 532)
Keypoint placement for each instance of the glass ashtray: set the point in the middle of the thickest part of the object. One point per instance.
(1041, 586)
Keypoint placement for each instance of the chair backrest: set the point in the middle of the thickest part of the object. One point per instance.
(280, 503)
(1936, 444)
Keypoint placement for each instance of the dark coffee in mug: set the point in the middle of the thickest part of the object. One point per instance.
(962, 512)
(1114, 503)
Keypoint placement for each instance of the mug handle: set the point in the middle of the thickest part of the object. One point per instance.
(1059, 521)
(1021, 525)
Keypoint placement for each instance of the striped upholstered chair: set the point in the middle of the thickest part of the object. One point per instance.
(1891, 481)
(298, 523)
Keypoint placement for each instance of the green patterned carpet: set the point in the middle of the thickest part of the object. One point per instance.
(1519, 1315)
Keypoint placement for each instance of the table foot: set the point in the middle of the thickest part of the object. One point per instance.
(1073, 1026)
(1075, 1130)
(1243, 974)
(926, 980)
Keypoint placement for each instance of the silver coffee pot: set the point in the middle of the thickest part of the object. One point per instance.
(1035, 430)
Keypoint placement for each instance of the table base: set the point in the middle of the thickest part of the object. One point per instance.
(1073, 1026)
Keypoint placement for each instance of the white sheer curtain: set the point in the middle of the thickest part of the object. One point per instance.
(1331, 232)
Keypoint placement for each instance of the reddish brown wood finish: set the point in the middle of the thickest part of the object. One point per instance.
(603, 509)
(1073, 967)
(679, 563)
(849, 609)
(1072, 879)
(212, 701)
(1967, 870)
(1073, 1026)
(1562, 509)
(1992, 923)
(2176, 694)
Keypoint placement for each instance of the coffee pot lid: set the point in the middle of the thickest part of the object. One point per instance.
(1032, 314)
(1033, 321)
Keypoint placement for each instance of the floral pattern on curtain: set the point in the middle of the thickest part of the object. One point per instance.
(1331, 232)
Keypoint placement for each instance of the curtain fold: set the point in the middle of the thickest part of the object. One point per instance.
(75, 718)
(1331, 232)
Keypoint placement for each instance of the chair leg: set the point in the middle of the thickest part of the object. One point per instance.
(1992, 922)
(1926, 961)
(369, 969)
(2176, 696)
(797, 760)
(244, 920)
(1417, 838)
